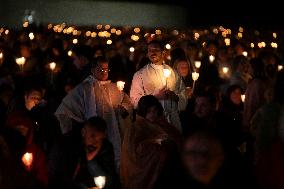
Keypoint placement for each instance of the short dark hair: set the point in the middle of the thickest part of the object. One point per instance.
(147, 102)
(205, 94)
(98, 60)
(83, 50)
(98, 123)
(156, 42)
(32, 88)
(232, 88)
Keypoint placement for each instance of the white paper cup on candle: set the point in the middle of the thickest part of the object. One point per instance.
(27, 160)
(243, 97)
(21, 61)
(211, 58)
(52, 65)
(197, 64)
(195, 76)
(225, 70)
(120, 85)
(167, 73)
(100, 181)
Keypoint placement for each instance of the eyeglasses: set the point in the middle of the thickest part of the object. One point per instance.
(103, 70)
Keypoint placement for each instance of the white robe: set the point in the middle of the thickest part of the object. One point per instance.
(95, 98)
(150, 80)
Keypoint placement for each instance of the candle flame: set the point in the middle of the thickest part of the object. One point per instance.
(131, 49)
(120, 85)
(20, 61)
(211, 58)
(167, 73)
(100, 181)
(225, 70)
(52, 65)
(31, 36)
(197, 64)
(243, 97)
(195, 76)
(27, 159)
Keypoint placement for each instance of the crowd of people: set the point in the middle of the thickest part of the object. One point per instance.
(204, 111)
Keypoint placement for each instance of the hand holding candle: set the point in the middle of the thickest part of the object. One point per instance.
(27, 160)
(100, 181)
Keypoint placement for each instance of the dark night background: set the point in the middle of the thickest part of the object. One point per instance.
(250, 13)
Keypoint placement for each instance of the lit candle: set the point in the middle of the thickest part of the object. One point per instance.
(120, 85)
(70, 53)
(131, 49)
(27, 160)
(52, 65)
(195, 77)
(21, 61)
(167, 74)
(225, 70)
(245, 53)
(100, 181)
(243, 97)
(197, 64)
(168, 46)
(211, 58)
(31, 36)
(75, 41)
(1, 55)
(280, 67)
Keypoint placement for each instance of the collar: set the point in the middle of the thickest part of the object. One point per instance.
(157, 67)
(103, 82)
(92, 79)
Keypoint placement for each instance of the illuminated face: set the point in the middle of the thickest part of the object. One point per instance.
(202, 158)
(32, 99)
(25, 51)
(101, 71)
(212, 49)
(235, 96)
(152, 114)
(92, 138)
(183, 68)
(155, 53)
(203, 107)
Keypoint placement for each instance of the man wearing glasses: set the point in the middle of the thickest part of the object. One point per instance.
(96, 96)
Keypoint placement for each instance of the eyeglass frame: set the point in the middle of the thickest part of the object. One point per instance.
(103, 70)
